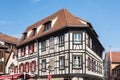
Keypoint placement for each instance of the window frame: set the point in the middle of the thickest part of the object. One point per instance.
(79, 38)
(61, 40)
(24, 35)
(43, 46)
(27, 67)
(43, 65)
(81, 62)
(34, 31)
(22, 51)
(21, 68)
(51, 42)
(33, 65)
(47, 25)
(89, 64)
(63, 64)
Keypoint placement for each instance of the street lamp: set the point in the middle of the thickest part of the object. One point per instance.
(12, 69)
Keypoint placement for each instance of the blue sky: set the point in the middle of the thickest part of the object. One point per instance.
(104, 15)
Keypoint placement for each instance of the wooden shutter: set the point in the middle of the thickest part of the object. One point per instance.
(34, 65)
(30, 66)
(19, 68)
(33, 48)
(23, 66)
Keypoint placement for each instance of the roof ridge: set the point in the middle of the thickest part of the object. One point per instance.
(9, 36)
(65, 15)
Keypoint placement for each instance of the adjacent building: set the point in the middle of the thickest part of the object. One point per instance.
(116, 73)
(7, 43)
(111, 64)
(2, 58)
(12, 63)
(62, 46)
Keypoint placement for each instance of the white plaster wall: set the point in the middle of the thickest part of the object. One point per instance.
(10, 61)
(1, 42)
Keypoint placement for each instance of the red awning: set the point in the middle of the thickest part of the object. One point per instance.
(15, 76)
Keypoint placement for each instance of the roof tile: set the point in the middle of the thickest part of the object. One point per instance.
(65, 18)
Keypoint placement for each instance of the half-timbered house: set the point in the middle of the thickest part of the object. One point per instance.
(7, 43)
(61, 47)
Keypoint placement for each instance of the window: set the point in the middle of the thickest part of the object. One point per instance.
(43, 65)
(23, 51)
(51, 41)
(47, 26)
(43, 45)
(33, 65)
(89, 63)
(34, 31)
(62, 62)
(21, 68)
(77, 61)
(27, 67)
(24, 35)
(89, 41)
(94, 65)
(97, 67)
(77, 38)
(31, 48)
(61, 40)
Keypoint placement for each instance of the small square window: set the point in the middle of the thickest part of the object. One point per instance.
(77, 38)
(24, 35)
(47, 26)
(77, 61)
(34, 31)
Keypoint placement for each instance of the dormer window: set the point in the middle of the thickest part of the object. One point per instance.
(25, 35)
(47, 26)
(34, 31)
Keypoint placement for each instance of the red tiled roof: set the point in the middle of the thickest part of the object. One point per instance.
(114, 55)
(8, 39)
(65, 18)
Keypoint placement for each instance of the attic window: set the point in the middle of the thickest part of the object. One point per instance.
(47, 26)
(34, 31)
(25, 35)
